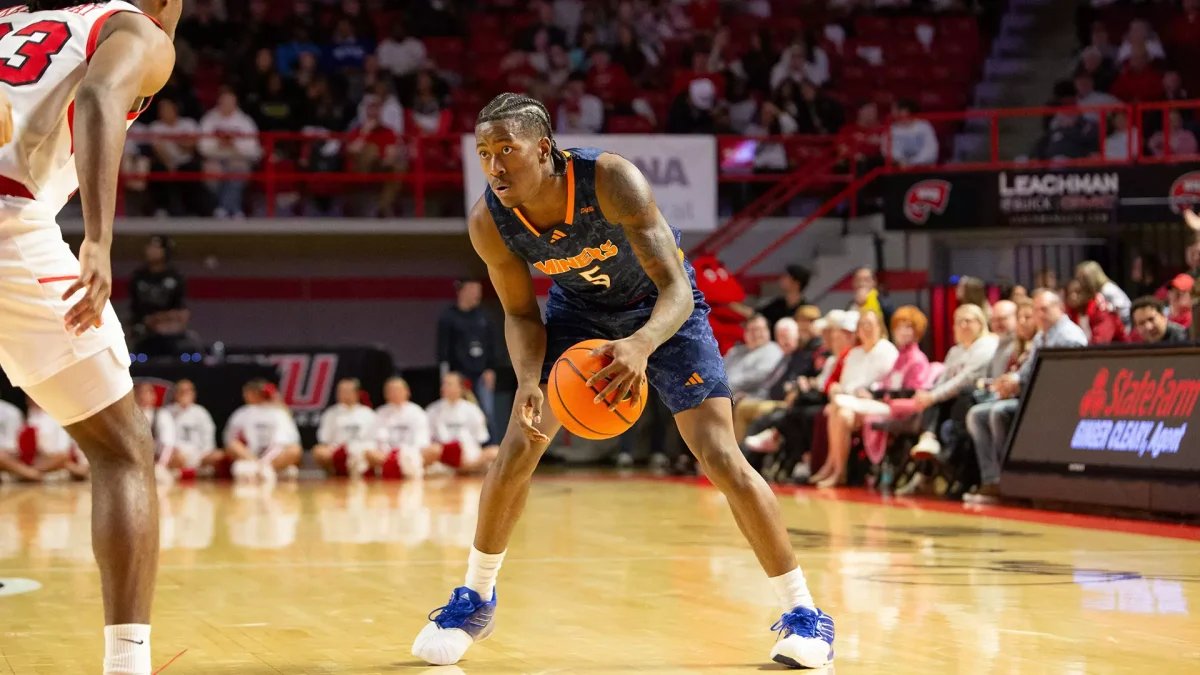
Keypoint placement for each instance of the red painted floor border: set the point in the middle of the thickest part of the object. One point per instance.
(864, 496)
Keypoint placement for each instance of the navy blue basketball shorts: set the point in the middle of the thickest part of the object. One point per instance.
(685, 370)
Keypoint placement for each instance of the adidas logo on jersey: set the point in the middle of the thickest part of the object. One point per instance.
(558, 234)
(694, 380)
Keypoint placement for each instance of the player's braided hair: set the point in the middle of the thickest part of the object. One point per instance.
(47, 5)
(531, 115)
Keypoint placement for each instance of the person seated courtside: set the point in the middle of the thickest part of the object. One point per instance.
(12, 422)
(196, 433)
(403, 434)
(459, 430)
(1151, 325)
(346, 433)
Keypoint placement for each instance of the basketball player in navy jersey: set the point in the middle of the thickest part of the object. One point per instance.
(588, 219)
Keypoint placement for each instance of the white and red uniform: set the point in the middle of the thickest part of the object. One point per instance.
(262, 427)
(43, 59)
(461, 428)
(403, 433)
(11, 422)
(350, 429)
(196, 433)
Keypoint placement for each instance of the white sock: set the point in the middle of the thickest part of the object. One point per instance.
(127, 649)
(793, 590)
(482, 569)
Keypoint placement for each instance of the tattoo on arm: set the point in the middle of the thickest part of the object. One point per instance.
(626, 199)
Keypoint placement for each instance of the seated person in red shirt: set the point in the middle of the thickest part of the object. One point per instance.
(375, 148)
(1139, 79)
(1179, 299)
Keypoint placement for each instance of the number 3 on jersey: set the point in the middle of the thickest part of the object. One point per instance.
(593, 275)
(25, 54)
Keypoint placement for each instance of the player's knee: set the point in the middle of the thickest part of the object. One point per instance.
(119, 434)
(517, 457)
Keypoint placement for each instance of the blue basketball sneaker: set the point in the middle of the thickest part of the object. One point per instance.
(454, 627)
(805, 639)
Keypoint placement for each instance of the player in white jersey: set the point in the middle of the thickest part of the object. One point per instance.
(196, 437)
(346, 433)
(403, 430)
(12, 421)
(73, 75)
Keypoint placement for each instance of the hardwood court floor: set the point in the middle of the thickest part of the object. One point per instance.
(603, 576)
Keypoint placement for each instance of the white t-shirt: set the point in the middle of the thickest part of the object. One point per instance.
(52, 439)
(462, 421)
(403, 427)
(343, 425)
(262, 427)
(11, 423)
(401, 58)
(865, 368)
(196, 433)
(175, 154)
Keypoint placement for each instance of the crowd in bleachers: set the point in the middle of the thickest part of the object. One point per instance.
(1130, 52)
(389, 75)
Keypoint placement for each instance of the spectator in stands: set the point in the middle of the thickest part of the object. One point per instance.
(1004, 323)
(347, 433)
(558, 71)
(817, 113)
(1086, 95)
(158, 301)
(1046, 278)
(865, 366)
(277, 107)
(1102, 41)
(792, 283)
(757, 62)
(1145, 275)
(692, 111)
(989, 423)
(605, 78)
(867, 135)
(544, 12)
(348, 48)
(1123, 140)
(468, 343)
(289, 52)
(1151, 324)
(1141, 37)
(1184, 30)
(353, 11)
(195, 432)
(973, 291)
(203, 31)
(1095, 281)
(1139, 80)
(802, 60)
(403, 433)
(579, 112)
(1179, 300)
(868, 297)
(425, 113)
(585, 41)
(1173, 87)
(257, 32)
(401, 54)
(762, 401)
(1070, 136)
(1101, 69)
(173, 148)
(250, 86)
(229, 145)
(459, 430)
(12, 421)
(749, 364)
(913, 140)
(975, 350)
(631, 55)
(1182, 141)
(373, 148)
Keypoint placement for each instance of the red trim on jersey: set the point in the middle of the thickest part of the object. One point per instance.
(51, 280)
(11, 188)
(71, 124)
(133, 115)
(93, 40)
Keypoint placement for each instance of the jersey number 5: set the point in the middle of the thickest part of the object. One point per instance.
(593, 275)
(29, 50)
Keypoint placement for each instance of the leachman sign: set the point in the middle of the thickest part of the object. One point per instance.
(1077, 196)
(681, 169)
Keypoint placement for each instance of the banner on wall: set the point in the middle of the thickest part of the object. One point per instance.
(682, 170)
(1111, 409)
(1075, 197)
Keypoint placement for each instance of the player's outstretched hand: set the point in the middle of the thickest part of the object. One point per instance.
(626, 372)
(1193, 220)
(527, 408)
(95, 278)
(6, 119)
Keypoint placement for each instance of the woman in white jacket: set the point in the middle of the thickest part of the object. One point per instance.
(459, 430)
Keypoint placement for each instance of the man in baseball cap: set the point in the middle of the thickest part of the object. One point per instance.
(1179, 299)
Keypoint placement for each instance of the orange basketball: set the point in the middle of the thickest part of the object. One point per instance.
(571, 398)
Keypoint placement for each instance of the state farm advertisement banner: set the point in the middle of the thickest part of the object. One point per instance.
(1077, 197)
(1131, 408)
(682, 170)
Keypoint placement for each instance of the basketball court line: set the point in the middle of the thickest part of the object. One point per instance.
(863, 496)
(168, 663)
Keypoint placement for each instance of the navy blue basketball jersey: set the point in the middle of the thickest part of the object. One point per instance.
(589, 258)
